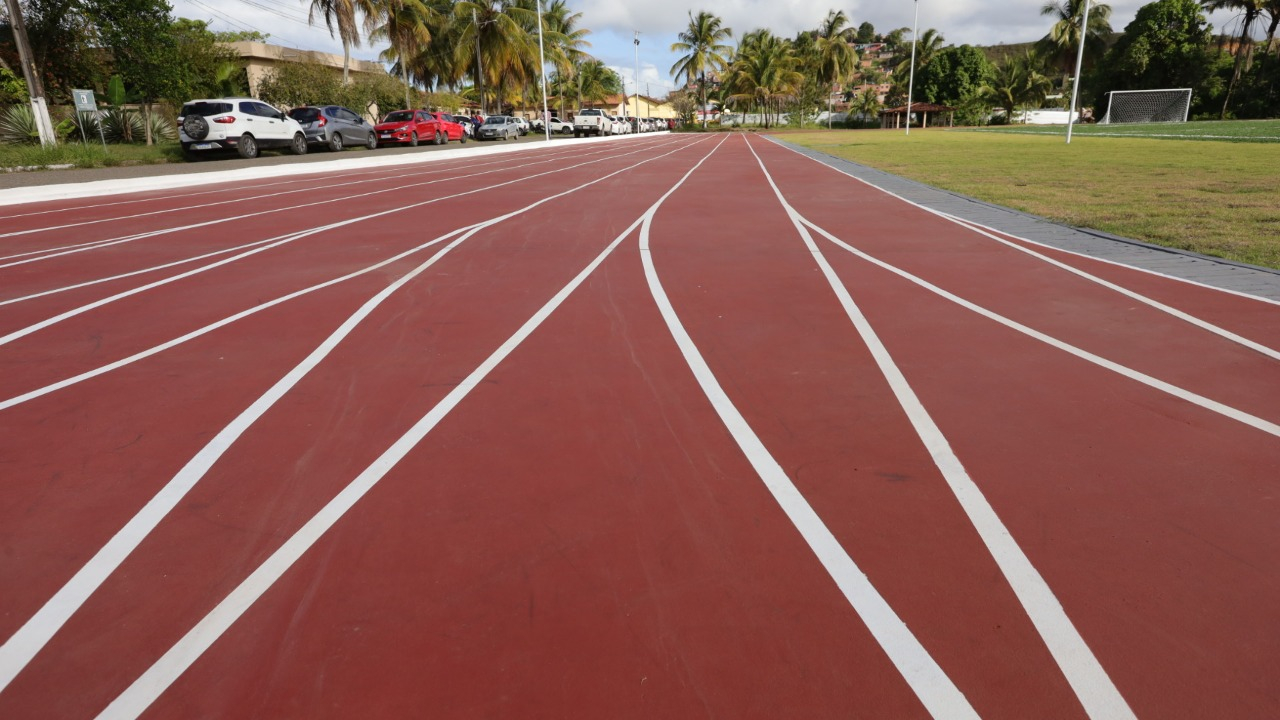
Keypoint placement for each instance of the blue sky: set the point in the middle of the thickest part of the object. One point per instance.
(614, 22)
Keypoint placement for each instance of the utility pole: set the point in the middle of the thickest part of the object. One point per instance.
(911, 84)
(479, 67)
(1075, 83)
(542, 66)
(35, 87)
(637, 87)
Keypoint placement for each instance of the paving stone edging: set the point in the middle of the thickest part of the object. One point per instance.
(1223, 274)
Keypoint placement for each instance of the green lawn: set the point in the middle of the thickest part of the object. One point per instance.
(1218, 198)
(1259, 131)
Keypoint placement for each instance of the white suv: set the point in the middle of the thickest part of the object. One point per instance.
(241, 124)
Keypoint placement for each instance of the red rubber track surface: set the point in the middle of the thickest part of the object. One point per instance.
(582, 536)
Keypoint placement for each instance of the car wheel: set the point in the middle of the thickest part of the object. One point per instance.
(372, 142)
(335, 142)
(436, 140)
(299, 144)
(413, 140)
(565, 131)
(463, 139)
(196, 127)
(247, 147)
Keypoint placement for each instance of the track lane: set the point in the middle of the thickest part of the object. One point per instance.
(1147, 515)
(499, 290)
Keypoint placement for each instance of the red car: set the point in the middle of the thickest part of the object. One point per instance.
(409, 127)
(453, 129)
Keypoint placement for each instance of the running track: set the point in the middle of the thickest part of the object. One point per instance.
(664, 427)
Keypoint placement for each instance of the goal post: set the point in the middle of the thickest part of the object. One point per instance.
(1148, 106)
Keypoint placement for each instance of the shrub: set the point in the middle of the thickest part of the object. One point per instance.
(18, 125)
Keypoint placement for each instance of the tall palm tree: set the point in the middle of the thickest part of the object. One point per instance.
(567, 48)
(1063, 39)
(596, 81)
(927, 48)
(346, 17)
(404, 24)
(1251, 12)
(1019, 81)
(496, 31)
(764, 73)
(703, 44)
(836, 57)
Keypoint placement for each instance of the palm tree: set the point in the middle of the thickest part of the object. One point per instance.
(764, 73)
(345, 15)
(929, 45)
(1251, 12)
(1063, 39)
(567, 42)
(1018, 82)
(597, 82)
(704, 48)
(866, 103)
(496, 31)
(404, 24)
(836, 57)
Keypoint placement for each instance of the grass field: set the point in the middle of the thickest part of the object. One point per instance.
(87, 156)
(1213, 197)
(1257, 131)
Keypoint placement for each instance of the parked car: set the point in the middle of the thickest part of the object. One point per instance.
(408, 127)
(497, 127)
(560, 126)
(591, 122)
(335, 127)
(523, 125)
(453, 126)
(241, 124)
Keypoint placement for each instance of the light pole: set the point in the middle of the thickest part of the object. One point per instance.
(1075, 82)
(911, 83)
(637, 88)
(542, 55)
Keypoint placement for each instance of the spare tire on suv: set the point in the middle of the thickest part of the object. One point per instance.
(196, 127)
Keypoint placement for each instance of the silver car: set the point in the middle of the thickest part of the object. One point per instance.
(498, 127)
(335, 127)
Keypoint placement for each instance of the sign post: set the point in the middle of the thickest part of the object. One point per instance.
(86, 104)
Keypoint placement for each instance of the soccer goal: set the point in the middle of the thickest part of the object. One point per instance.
(1147, 106)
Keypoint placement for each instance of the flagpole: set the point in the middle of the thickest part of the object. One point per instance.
(542, 54)
(911, 84)
(1075, 83)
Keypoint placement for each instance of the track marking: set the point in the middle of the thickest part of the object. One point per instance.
(151, 684)
(272, 243)
(1086, 675)
(50, 253)
(973, 227)
(930, 684)
(23, 645)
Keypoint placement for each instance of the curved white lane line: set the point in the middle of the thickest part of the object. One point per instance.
(1086, 675)
(138, 697)
(23, 645)
(50, 253)
(272, 243)
(973, 227)
(935, 690)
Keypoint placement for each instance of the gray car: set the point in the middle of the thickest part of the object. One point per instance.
(498, 127)
(335, 127)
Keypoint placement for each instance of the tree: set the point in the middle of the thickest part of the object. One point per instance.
(64, 43)
(597, 82)
(496, 32)
(207, 68)
(866, 34)
(764, 73)
(1251, 12)
(1018, 82)
(1166, 46)
(1062, 43)
(703, 44)
(403, 23)
(345, 16)
(955, 73)
(836, 58)
(143, 48)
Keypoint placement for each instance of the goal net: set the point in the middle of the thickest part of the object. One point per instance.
(1148, 106)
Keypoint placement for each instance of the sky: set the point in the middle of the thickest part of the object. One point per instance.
(614, 24)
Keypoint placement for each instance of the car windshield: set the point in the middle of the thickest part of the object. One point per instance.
(305, 114)
(399, 116)
(206, 109)
(495, 120)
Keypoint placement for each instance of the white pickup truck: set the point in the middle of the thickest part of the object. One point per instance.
(591, 122)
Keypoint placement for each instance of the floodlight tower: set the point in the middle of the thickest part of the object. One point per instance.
(911, 83)
(1075, 83)
(637, 88)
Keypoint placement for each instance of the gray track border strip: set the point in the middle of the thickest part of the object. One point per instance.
(1214, 272)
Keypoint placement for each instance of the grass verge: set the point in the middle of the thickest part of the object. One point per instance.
(1214, 198)
(87, 156)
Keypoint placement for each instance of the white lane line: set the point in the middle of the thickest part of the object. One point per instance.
(225, 251)
(138, 697)
(23, 645)
(936, 691)
(974, 227)
(1223, 409)
(50, 253)
(1086, 675)
(1095, 258)
(272, 243)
